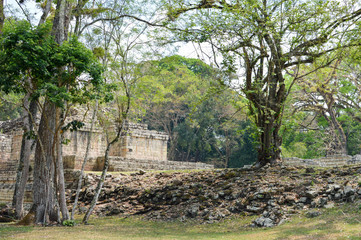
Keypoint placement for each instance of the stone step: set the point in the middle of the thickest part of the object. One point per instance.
(121, 164)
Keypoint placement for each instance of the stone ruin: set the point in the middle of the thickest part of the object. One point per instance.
(138, 149)
(337, 160)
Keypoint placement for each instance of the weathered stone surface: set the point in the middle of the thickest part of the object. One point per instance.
(264, 222)
(329, 161)
(213, 195)
(138, 150)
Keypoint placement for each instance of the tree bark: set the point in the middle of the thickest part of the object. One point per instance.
(60, 167)
(25, 152)
(44, 200)
(46, 11)
(60, 33)
(270, 141)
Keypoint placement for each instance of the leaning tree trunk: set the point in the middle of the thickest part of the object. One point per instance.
(25, 152)
(106, 157)
(84, 161)
(340, 134)
(102, 177)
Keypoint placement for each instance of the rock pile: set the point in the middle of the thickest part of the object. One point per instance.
(271, 193)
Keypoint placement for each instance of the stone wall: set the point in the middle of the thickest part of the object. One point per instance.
(5, 177)
(330, 161)
(74, 151)
(10, 145)
(141, 143)
(138, 143)
(139, 148)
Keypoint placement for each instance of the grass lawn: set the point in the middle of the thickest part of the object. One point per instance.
(337, 223)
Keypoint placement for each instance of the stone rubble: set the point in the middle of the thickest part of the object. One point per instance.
(271, 193)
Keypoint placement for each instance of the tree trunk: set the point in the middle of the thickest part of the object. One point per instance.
(46, 11)
(102, 177)
(60, 167)
(267, 105)
(25, 152)
(84, 162)
(44, 195)
(340, 134)
(27, 143)
(270, 141)
(48, 158)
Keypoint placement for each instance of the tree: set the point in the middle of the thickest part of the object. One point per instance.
(183, 97)
(322, 111)
(168, 92)
(267, 39)
(118, 42)
(54, 69)
(319, 93)
(54, 72)
(30, 110)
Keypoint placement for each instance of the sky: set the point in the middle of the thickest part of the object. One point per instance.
(30, 6)
(188, 50)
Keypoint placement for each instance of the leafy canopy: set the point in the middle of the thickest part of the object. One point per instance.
(31, 61)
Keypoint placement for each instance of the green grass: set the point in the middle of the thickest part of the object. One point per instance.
(337, 223)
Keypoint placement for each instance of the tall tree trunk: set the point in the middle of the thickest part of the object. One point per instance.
(60, 166)
(47, 152)
(27, 143)
(44, 195)
(85, 161)
(60, 32)
(26, 149)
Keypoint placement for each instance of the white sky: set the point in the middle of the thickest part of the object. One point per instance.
(188, 50)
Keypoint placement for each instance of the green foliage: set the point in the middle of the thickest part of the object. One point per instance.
(185, 98)
(301, 142)
(74, 125)
(24, 50)
(10, 106)
(68, 223)
(31, 61)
